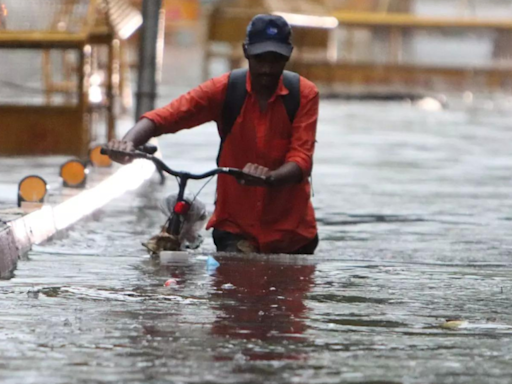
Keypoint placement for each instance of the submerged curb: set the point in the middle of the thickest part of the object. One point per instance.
(18, 233)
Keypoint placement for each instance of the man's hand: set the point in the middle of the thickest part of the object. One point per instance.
(259, 172)
(120, 146)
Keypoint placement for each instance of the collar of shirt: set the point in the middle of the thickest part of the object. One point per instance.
(280, 91)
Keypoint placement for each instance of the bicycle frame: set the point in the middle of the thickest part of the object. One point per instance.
(182, 206)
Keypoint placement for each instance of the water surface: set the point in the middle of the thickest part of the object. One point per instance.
(414, 212)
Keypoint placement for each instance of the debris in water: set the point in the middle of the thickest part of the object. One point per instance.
(239, 358)
(162, 242)
(170, 283)
(33, 294)
(211, 265)
(51, 291)
(429, 104)
(454, 324)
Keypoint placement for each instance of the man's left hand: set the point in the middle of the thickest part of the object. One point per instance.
(259, 172)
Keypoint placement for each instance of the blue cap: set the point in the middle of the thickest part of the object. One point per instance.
(269, 33)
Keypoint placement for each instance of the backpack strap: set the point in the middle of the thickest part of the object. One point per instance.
(237, 93)
(291, 101)
(233, 104)
(234, 101)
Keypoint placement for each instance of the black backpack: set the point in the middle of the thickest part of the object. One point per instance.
(237, 93)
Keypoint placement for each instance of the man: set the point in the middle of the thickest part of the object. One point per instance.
(274, 216)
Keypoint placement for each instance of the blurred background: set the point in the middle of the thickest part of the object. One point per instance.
(74, 63)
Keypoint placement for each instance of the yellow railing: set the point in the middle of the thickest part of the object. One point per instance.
(77, 41)
(30, 39)
(400, 20)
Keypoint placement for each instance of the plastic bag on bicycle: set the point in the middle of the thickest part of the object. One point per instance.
(194, 220)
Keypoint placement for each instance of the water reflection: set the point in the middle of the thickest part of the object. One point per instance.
(264, 301)
(181, 274)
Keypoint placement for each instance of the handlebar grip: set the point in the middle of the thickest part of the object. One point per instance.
(150, 149)
(239, 174)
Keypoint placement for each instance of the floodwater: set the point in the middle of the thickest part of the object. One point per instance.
(414, 211)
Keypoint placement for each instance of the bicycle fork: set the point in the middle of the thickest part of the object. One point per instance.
(180, 209)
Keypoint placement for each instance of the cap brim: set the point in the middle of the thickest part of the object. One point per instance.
(270, 46)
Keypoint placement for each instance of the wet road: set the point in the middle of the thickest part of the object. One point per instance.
(414, 212)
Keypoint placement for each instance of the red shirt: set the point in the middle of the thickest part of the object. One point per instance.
(278, 219)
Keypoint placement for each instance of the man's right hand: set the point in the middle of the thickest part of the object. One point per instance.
(117, 146)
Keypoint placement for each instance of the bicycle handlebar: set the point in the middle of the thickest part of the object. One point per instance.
(237, 173)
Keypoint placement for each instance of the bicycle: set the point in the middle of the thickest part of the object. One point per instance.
(169, 238)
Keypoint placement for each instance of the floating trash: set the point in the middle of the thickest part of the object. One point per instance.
(463, 324)
(170, 283)
(454, 324)
(211, 265)
(169, 257)
(33, 294)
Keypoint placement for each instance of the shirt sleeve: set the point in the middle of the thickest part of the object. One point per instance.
(303, 139)
(199, 106)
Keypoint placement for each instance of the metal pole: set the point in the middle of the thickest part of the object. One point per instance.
(146, 88)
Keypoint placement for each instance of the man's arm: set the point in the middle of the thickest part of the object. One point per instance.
(290, 173)
(139, 135)
(194, 108)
